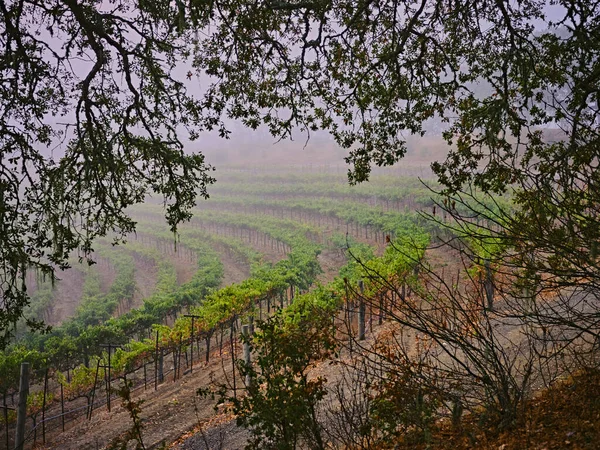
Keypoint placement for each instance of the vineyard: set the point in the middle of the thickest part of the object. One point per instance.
(158, 305)
(285, 224)
(362, 276)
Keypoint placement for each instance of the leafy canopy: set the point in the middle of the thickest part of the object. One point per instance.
(95, 101)
(512, 86)
(92, 116)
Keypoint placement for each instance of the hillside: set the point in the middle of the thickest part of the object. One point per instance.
(280, 245)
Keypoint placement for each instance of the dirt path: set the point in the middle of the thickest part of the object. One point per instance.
(185, 263)
(445, 262)
(235, 269)
(331, 261)
(67, 295)
(106, 272)
(69, 289)
(144, 276)
(181, 257)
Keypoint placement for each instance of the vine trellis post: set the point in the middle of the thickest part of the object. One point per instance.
(22, 406)
(91, 405)
(156, 364)
(247, 332)
(6, 408)
(193, 317)
(44, 405)
(110, 348)
(232, 342)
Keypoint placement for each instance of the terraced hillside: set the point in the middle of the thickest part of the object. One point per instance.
(261, 241)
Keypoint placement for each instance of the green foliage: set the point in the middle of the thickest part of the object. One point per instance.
(383, 189)
(280, 407)
(10, 366)
(348, 211)
(35, 402)
(132, 356)
(40, 300)
(78, 341)
(82, 382)
(95, 307)
(79, 338)
(510, 87)
(118, 122)
(397, 263)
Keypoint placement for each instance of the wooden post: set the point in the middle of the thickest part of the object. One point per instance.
(156, 364)
(348, 314)
(246, 334)
(6, 408)
(179, 353)
(193, 316)
(62, 406)
(260, 302)
(161, 366)
(91, 406)
(22, 407)
(208, 336)
(44, 407)
(192, 347)
(221, 341)
(175, 359)
(110, 347)
(232, 342)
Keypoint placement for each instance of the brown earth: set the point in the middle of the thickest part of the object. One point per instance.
(181, 257)
(69, 289)
(565, 416)
(235, 269)
(67, 295)
(330, 261)
(167, 413)
(144, 278)
(174, 409)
